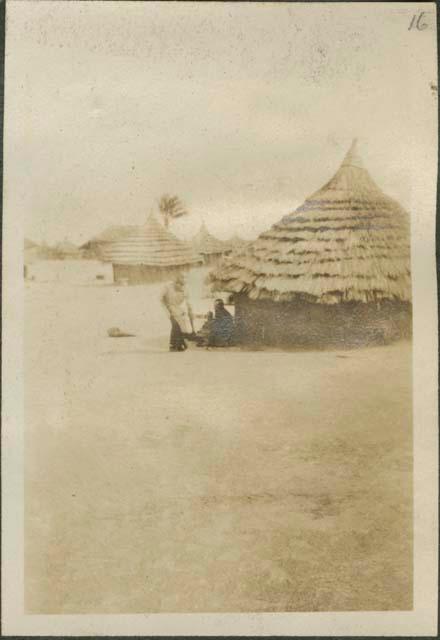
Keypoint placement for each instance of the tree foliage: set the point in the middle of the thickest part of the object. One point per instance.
(171, 208)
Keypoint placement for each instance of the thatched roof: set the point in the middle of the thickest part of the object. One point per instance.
(150, 245)
(347, 242)
(206, 244)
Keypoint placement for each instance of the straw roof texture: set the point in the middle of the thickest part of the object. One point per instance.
(207, 244)
(346, 242)
(150, 245)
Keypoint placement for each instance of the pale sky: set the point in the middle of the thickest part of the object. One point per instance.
(243, 110)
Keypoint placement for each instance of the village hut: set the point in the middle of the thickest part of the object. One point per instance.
(96, 246)
(210, 247)
(150, 253)
(337, 270)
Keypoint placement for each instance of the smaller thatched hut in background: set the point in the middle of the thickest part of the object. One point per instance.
(149, 253)
(210, 247)
(337, 270)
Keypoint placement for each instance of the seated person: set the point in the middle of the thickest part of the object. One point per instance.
(203, 335)
(222, 326)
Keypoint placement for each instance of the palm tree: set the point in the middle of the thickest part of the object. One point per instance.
(171, 208)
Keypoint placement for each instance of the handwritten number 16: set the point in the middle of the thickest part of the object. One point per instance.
(416, 22)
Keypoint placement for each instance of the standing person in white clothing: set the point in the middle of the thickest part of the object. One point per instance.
(175, 300)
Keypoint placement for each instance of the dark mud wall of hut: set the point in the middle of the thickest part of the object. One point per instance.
(309, 324)
(142, 274)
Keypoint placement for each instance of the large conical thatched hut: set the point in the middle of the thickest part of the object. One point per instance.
(149, 253)
(210, 247)
(335, 270)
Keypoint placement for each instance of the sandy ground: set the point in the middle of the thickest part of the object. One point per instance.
(208, 481)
